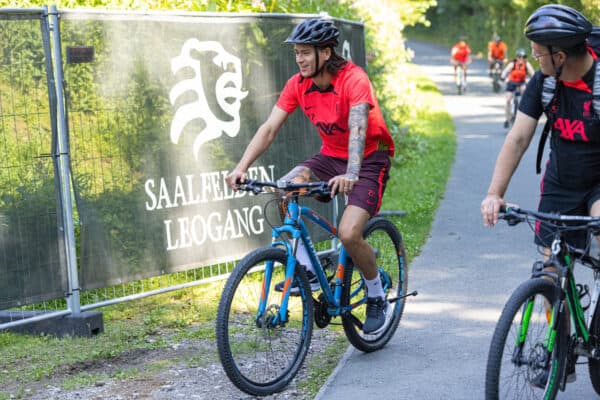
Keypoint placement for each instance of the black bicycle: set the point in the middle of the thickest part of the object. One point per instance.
(514, 105)
(533, 351)
(497, 75)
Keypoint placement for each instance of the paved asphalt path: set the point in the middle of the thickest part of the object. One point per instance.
(465, 272)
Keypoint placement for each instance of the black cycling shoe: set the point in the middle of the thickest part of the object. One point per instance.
(294, 291)
(378, 313)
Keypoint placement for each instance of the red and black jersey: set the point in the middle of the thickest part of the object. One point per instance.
(329, 109)
(575, 135)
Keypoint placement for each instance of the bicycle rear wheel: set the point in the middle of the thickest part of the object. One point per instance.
(386, 241)
(260, 354)
(519, 363)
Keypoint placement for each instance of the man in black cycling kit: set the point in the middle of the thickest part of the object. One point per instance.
(571, 183)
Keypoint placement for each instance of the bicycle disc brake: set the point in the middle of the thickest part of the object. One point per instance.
(537, 362)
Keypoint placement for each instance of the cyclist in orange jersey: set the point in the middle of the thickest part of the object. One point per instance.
(460, 56)
(517, 72)
(497, 51)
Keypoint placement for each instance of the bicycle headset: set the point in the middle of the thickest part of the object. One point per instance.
(317, 32)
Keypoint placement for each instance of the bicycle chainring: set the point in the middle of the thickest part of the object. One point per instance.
(322, 317)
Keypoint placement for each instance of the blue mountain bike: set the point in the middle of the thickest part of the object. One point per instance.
(263, 335)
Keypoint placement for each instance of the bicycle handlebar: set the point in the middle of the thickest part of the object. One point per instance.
(313, 188)
(514, 215)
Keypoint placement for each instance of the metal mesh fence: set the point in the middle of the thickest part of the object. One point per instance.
(159, 108)
(31, 262)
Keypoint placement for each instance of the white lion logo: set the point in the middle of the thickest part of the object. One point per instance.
(228, 93)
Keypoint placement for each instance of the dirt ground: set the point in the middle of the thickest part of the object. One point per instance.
(187, 370)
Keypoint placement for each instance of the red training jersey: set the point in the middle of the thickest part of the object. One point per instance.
(461, 52)
(329, 109)
(497, 50)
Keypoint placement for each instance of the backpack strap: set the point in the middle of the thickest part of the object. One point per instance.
(548, 91)
(596, 89)
(541, 143)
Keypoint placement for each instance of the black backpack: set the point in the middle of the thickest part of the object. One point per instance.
(548, 93)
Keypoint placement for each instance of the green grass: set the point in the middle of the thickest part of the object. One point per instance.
(418, 177)
(426, 148)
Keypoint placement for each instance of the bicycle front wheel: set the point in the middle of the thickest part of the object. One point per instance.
(594, 364)
(386, 241)
(260, 352)
(520, 365)
(515, 108)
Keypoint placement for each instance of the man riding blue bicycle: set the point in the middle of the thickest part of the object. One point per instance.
(338, 98)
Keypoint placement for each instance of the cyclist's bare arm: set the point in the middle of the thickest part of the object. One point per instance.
(516, 143)
(509, 67)
(358, 121)
(261, 141)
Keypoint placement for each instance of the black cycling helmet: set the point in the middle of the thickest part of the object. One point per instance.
(521, 53)
(557, 25)
(316, 31)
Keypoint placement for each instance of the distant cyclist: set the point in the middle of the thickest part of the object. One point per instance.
(460, 57)
(497, 52)
(517, 72)
(355, 151)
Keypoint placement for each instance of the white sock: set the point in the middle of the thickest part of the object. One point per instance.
(302, 256)
(374, 288)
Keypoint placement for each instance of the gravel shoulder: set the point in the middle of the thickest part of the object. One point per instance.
(189, 369)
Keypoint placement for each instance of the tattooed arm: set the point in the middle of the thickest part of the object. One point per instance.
(357, 124)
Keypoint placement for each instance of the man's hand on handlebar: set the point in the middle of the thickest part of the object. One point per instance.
(342, 184)
(235, 178)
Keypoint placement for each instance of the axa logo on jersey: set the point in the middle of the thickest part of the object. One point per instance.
(228, 93)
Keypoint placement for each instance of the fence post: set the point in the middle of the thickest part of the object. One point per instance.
(64, 163)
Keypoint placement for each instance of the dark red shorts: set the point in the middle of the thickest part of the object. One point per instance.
(374, 173)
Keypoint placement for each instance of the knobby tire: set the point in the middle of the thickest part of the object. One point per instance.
(261, 359)
(505, 379)
(386, 240)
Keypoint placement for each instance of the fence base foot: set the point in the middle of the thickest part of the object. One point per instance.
(84, 324)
